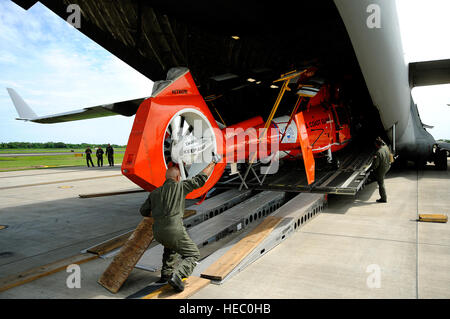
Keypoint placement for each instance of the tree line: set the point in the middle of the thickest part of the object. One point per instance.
(31, 145)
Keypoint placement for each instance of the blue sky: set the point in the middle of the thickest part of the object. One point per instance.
(55, 68)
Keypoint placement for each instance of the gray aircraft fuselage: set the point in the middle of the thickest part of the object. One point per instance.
(378, 48)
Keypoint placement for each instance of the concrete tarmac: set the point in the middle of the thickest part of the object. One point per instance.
(356, 248)
(47, 221)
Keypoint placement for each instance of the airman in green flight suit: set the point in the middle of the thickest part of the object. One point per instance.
(380, 166)
(166, 205)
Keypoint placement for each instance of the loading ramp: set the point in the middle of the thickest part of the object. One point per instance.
(250, 245)
(230, 260)
(234, 219)
(348, 179)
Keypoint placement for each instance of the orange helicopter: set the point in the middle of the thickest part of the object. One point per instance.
(175, 127)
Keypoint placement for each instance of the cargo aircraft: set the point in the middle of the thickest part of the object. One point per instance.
(231, 59)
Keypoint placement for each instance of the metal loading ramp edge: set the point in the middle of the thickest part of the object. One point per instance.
(232, 220)
(293, 215)
(215, 205)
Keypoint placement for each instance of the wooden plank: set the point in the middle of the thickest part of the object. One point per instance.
(111, 193)
(110, 245)
(42, 271)
(437, 218)
(124, 262)
(225, 264)
(146, 290)
(189, 213)
(192, 285)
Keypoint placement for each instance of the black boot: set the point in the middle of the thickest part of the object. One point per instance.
(176, 283)
(163, 279)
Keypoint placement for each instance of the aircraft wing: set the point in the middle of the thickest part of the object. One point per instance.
(126, 108)
(429, 73)
(444, 145)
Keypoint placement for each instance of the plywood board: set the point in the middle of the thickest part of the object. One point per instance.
(437, 218)
(124, 262)
(110, 245)
(192, 285)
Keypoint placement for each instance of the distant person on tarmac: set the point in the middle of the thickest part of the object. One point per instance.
(88, 152)
(110, 154)
(380, 166)
(99, 154)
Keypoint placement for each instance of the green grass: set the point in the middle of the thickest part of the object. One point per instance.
(49, 150)
(27, 162)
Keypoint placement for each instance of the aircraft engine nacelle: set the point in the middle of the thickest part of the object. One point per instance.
(174, 125)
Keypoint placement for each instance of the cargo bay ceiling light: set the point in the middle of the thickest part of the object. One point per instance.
(251, 80)
(235, 37)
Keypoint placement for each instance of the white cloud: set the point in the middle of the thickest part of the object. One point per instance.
(9, 83)
(6, 57)
(425, 29)
(432, 104)
(56, 69)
